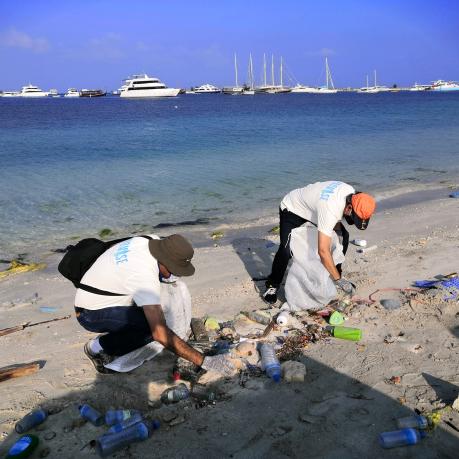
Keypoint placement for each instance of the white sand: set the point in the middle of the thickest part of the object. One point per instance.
(346, 389)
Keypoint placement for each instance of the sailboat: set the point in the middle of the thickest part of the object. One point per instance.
(235, 90)
(329, 87)
(277, 89)
(373, 89)
(250, 91)
(263, 89)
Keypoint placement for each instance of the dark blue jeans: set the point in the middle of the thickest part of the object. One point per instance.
(126, 327)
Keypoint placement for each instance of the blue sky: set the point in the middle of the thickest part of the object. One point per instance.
(97, 43)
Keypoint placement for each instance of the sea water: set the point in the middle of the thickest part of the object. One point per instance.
(70, 167)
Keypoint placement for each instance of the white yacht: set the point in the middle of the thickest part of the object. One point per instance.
(299, 88)
(33, 91)
(374, 89)
(420, 87)
(72, 92)
(10, 94)
(143, 86)
(205, 89)
(329, 87)
(54, 93)
(441, 85)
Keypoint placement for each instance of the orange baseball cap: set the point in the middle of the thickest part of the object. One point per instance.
(363, 207)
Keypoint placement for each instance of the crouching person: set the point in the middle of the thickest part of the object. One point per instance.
(120, 297)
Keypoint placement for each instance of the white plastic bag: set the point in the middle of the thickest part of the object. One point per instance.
(308, 284)
(176, 304)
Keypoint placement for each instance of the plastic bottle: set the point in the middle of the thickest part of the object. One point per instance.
(403, 437)
(351, 334)
(24, 447)
(413, 422)
(283, 318)
(34, 418)
(201, 392)
(116, 416)
(269, 362)
(118, 427)
(108, 444)
(90, 414)
(175, 394)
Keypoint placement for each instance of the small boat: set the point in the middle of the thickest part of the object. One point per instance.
(421, 87)
(445, 86)
(329, 87)
(92, 93)
(32, 91)
(249, 90)
(146, 87)
(54, 93)
(299, 88)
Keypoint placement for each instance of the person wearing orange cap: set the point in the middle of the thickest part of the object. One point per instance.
(324, 204)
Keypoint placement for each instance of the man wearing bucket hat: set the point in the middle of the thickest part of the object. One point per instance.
(324, 204)
(132, 317)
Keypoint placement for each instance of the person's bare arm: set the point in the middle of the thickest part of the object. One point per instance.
(324, 245)
(164, 335)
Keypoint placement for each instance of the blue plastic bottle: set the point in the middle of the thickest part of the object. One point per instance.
(402, 437)
(269, 362)
(108, 444)
(34, 418)
(413, 422)
(118, 427)
(116, 416)
(90, 414)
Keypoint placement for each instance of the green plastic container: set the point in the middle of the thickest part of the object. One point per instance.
(24, 447)
(336, 318)
(351, 334)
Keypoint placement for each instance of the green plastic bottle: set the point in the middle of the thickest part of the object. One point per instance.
(351, 334)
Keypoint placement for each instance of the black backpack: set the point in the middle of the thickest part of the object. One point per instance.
(80, 257)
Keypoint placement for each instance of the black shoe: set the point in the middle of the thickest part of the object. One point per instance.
(99, 360)
(270, 296)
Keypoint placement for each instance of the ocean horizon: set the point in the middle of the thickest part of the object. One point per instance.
(71, 167)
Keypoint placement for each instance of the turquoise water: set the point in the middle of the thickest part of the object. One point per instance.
(73, 166)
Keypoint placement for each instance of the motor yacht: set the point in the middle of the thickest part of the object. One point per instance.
(72, 92)
(10, 94)
(421, 87)
(54, 93)
(206, 89)
(144, 86)
(33, 91)
(441, 85)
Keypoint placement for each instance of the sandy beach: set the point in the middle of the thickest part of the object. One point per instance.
(347, 397)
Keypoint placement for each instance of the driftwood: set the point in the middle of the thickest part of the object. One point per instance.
(7, 331)
(17, 371)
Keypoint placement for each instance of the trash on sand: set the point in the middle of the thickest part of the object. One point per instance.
(199, 330)
(19, 370)
(34, 418)
(293, 371)
(283, 318)
(7, 331)
(123, 425)
(259, 316)
(336, 318)
(116, 416)
(413, 422)
(456, 404)
(269, 362)
(348, 333)
(359, 242)
(390, 304)
(403, 437)
(367, 249)
(17, 267)
(90, 414)
(454, 194)
(246, 349)
(108, 444)
(217, 235)
(175, 394)
(293, 345)
(201, 392)
(24, 447)
(212, 324)
(275, 230)
(397, 380)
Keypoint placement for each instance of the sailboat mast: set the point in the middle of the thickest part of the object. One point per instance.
(251, 72)
(375, 79)
(326, 71)
(235, 69)
(272, 69)
(264, 68)
(281, 75)
(367, 81)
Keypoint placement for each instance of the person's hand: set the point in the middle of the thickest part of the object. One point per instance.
(220, 363)
(345, 286)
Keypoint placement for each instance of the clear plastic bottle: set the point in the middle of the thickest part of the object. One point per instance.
(175, 394)
(116, 416)
(118, 427)
(90, 414)
(403, 437)
(413, 422)
(269, 362)
(108, 444)
(34, 418)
